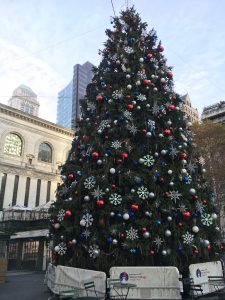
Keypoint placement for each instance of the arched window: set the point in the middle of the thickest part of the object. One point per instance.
(13, 144)
(45, 153)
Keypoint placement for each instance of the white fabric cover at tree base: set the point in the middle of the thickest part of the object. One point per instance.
(152, 282)
(60, 278)
(200, 273)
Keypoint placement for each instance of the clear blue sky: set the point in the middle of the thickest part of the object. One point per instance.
(41, 40)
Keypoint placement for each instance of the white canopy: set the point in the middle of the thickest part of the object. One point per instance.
(18, 207)
(44, 207)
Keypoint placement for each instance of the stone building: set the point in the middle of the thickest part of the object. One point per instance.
(31, 153)
(189, 110)
(214, 112)
(23, 98)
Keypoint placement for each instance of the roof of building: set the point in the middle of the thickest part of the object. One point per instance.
(26, 88)
(8, 110)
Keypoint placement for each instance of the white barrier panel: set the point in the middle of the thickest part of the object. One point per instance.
(151, 282)
(200, 273)
(62, 278)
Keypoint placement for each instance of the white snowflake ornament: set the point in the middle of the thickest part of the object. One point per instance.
(61, 215)
(116, 144)
(89, 182)
(188, 238)
(206, 219)
(117, 94)
(94, 251)
(148, 160)
(128, 50)
(132, 234)
(143, 192)
(115, 199)
(86, 220)
(61, 248)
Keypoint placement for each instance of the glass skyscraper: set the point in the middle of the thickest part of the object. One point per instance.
(68, 108)
(64, 106)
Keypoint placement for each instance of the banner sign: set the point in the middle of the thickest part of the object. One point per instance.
(200, 273)
(151, 282)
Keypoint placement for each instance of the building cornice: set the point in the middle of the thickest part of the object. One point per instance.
(7, 110)
(28, 171)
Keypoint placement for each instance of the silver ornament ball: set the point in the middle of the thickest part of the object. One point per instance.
(86, 198)
(146, 234)
(195, 229)
(56, 249)
(126, 216)
(192, 191)
(112, 171)
(168, 233)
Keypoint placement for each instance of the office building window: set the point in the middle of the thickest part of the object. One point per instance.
(15, 190)
(13, 144)
(38, 192)
(45, 153)
(2, 190)
(27, 191)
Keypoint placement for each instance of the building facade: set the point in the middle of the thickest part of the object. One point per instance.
(31, 153)
(190, 112)
(64, 106)
(68, 107)
(25, 99)
(214, 112)
(31, 150)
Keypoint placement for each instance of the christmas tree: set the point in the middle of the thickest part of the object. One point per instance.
(133, 190)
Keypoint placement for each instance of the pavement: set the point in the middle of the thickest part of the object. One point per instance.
(24, 286)
(30, 286)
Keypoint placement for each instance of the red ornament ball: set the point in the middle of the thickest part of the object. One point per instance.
(122, 236)
(170, 74)
(135, 207)
(147, 82)
(95, 154)
(180, 224)
(149, 55)
(113, 186)
(183, 155)
(196, 197)
(171, 107)
(186, 214)
(100, 202)
(130, 106)
(124, 155)
(119, 161)
(151, 252)
(204, 201)
(100, 98)
(70, 244)
(68, 213)
(71, 176)
(167, 132)
(161, 48)
(143, 229)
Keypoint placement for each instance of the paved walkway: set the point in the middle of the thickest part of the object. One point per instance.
(24, 286)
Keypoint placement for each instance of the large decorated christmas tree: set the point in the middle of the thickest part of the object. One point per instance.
(133, 191)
